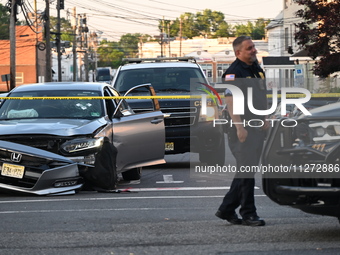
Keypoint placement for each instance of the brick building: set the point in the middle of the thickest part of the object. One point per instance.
(28, 57)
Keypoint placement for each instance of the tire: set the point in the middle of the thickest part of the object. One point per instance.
(103, 176)
(133, 174)
(216, 156)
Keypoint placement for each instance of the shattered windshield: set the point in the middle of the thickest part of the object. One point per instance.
(52, 108)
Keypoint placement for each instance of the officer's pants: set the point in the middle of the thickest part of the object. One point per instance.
(247, 157)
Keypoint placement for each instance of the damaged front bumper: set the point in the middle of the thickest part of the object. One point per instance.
(35, 171)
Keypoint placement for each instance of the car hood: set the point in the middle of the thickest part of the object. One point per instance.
(59, 127)
(330, 110)
(166, 102)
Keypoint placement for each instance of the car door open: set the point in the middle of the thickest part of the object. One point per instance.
(146, 148)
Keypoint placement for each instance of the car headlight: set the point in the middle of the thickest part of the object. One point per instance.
(82, 145)
(325, 131)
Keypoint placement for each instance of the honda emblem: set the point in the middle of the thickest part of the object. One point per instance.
(16, 157)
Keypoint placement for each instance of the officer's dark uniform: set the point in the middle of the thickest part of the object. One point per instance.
(248, 153)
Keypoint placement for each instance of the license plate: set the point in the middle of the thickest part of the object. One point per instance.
(169, 146)
(14, 171)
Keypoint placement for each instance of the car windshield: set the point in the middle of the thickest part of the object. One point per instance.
(162, 79)
(52, 108)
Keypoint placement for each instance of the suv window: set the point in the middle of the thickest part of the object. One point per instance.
(162, 79)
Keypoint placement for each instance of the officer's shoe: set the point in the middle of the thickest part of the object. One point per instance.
(253, 221)
(233, 219)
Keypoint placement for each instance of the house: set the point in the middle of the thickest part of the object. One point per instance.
(279, 69)
(288, 65)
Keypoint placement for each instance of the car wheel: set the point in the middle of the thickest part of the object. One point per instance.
(133, 174)
(103, 176)
(215, 156)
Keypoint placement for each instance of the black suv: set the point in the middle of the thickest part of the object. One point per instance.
(301, 160)
(188, 129)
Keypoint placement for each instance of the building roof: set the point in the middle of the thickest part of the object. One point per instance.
(276, 22)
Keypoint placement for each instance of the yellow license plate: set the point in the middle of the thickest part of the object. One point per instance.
(169, 146)
(14, 171)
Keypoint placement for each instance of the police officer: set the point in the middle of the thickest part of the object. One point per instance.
(245, 136)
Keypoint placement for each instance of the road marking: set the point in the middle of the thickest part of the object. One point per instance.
(179, 188)
(101, 209)
(110, 198)
(169, 179)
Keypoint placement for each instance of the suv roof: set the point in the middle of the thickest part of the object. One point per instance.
(136, 63)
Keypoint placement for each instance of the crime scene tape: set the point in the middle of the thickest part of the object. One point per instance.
(101, 97)
(321, 95)
(303, 95)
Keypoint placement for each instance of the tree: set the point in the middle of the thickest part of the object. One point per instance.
(4, 23)
(319, 34)
(224, 30)
(129, 44)
(208, 23)
(259, 31)
(65, 28)
(255, 30)
(244, 29)
(110, 54)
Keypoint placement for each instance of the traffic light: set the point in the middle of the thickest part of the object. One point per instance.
(61, 4)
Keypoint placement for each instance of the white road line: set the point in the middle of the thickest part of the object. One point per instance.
(104, 209)
(110, 198)
(169, 179)
(179, 188)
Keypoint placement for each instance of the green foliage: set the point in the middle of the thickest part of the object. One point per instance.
(65, 28)
(4, 23)
(129, 44)
(244, 29)
(211, 24)
(255, 30)
(319, 34)
(110, 54)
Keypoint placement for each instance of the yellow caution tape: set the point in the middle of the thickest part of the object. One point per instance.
(158, 97)
(99, 97)
(313, 95)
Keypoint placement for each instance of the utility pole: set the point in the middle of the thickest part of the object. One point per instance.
(12, 35)
(74, 46)
(59, 6)
(36, 42)
(169, 38)
(80, 18)
(180, 37)
(162, 38)
(86, 60)
(48, 72)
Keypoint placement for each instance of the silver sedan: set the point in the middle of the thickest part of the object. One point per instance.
(63, 137)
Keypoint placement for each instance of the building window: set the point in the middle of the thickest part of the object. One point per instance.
(19, 78)
(286, 38)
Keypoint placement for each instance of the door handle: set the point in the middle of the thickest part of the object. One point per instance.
(156, 121)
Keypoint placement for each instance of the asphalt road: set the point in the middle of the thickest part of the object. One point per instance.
(171, 211)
